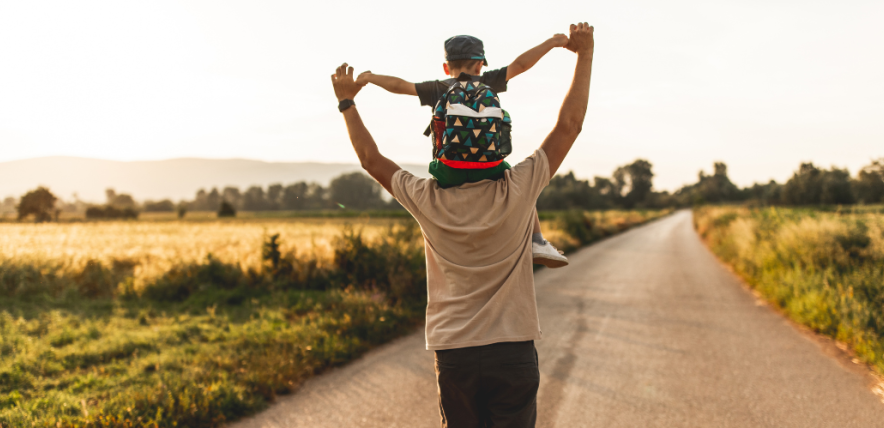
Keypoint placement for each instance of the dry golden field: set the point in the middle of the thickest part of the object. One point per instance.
(156, 246)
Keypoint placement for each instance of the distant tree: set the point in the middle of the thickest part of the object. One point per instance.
(119, 200)
(182, 210)
(356, 191)
(804, 187)
(606, 189)
(254, 200)
(274, 196)
(304, 196)
(110, 212)
(765, 194)
(200, 202)
(160, 206)
(869, 184)
(638, 178)
(213, 200)
(232, 196)
(8, 205)
(811, 185)
(835, 187)
(294, 196)
(40, 202)
(226, 210)
(566, 192)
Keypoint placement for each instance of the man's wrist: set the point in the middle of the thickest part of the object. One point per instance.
(346, 104)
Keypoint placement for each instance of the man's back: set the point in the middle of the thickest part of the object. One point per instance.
(478, 241)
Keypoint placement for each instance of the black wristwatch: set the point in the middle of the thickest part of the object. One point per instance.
(345, 104)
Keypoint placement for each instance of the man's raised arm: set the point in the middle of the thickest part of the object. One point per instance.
(570, 122)
(370, 157)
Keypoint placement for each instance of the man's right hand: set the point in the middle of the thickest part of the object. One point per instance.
(580, 40)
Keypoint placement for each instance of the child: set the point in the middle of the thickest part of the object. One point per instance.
(465, 56)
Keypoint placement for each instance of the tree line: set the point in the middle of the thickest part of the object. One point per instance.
(355, 191)
(630, 186)
(352, 191)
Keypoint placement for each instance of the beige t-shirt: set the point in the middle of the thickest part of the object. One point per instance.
(477, 237)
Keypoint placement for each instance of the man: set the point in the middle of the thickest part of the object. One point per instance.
(481, 312)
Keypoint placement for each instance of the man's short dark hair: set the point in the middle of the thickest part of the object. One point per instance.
(463, 64)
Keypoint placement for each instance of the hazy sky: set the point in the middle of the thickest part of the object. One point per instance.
(760, 85)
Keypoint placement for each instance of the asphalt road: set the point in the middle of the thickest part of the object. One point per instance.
(646, 329)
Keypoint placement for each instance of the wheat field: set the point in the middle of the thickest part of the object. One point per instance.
(157, 246)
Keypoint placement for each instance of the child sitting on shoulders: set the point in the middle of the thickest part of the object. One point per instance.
(465, 57)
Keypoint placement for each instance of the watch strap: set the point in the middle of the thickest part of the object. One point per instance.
(345, 104)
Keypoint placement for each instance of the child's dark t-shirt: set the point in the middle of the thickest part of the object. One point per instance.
(430, 91)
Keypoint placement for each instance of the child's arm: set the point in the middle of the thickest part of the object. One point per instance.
(527, 60)
(390, 83)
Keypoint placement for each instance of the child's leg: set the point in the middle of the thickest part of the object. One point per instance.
(536, 232)
(544, 253)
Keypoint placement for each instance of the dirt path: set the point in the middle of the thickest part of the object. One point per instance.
(645, 329)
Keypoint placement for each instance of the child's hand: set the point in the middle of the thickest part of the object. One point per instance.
(362, 78)
(559, 40)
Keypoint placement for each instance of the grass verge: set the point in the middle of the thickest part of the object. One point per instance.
(823, 269)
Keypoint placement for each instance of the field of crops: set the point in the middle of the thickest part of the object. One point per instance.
(825, 269)
(193, 323)
(154, 247)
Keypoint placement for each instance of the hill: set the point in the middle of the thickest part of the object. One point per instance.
(174, 178)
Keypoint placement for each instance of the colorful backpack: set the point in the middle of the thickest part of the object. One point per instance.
(469, 129)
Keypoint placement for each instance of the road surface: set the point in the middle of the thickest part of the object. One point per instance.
(645, 329)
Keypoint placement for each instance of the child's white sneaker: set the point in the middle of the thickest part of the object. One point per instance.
(547, 255)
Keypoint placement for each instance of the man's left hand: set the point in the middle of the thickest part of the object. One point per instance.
(345, 86)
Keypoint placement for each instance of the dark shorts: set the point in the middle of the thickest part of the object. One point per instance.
(450, 177)
(488, 386)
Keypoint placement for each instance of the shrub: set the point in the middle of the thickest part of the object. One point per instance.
(110, 213)
(161, 206)
(184, 280)
(226, 210)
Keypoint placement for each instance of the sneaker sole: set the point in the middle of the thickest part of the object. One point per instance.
(550, 263)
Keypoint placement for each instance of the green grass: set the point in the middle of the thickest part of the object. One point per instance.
(824, 269)
(197, 363)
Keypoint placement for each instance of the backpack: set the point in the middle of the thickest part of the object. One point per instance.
(469, 130)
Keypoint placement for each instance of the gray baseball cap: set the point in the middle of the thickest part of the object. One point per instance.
(464, 47)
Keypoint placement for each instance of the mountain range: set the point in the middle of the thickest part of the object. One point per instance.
(175, 179)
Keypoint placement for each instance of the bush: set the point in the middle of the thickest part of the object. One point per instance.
(184, 280)
(162, 206)
(110, 213)
(226, 210)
